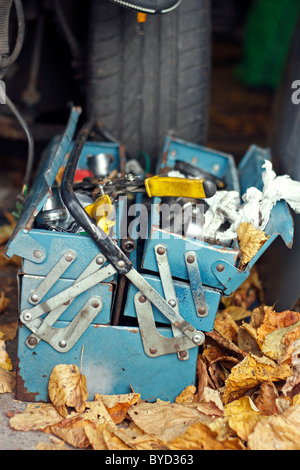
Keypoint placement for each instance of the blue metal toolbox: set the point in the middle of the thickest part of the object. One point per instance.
(134, 308)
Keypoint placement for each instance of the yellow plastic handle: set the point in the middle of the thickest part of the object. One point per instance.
(169, 186)
(100, 211)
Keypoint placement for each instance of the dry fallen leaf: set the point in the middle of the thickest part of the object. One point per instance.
(266, 401)
(163, 420)
(56, 444)
(72, 431)
(250, 241)
(250, 372)
(67, 388)
(95, 436)
(7, 381)
(187, 395)
(200, 437)
(242, 416)
(113, 442)
(226, 326)
(97, 413)
(276, 343)
(5, 361)
(276, 320)
(36, 417)
(277, 432)
(118, 405)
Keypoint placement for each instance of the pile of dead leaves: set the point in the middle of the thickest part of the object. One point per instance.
(247, 397)
(247, 394)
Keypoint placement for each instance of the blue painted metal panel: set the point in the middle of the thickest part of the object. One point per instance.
(207, 255)
(185, 303)
(219, 164)
(103, 290)
(50, 164)
(55, 245)
(113, 362)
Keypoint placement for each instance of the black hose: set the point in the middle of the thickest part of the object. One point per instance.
(106, 245)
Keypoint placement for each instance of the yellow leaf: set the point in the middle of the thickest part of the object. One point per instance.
(97, 413)
(200, 437)
(164, 421)
(5, 361)
(36, 417)
(275, 342)
(67, 388)
(56, 445)
(95, 437)
(113, 442)
(72, 431)
(7, 381)
(277, 432)
(226, 326)
(242, 416)
(250, 241)
(187, 395)
(118, 405)
(296, 399)
(250, 372)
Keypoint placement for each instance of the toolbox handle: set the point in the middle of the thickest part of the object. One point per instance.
(107, 246)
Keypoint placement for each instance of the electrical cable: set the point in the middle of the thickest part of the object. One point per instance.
(30, 157)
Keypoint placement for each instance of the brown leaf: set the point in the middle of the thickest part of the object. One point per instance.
(266, 400)
(226, 345)
(67, 388)
(9, 331)
(202, 376)
(72, 431)
(276, 320)
(247, 340)
(250, 241)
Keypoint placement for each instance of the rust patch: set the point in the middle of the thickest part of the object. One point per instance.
(22, 393)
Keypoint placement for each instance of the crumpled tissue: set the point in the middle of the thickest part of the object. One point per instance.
(255, 207)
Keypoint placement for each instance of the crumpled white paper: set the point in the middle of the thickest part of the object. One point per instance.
(255, 207)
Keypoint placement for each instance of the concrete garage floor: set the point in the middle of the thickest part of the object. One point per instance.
(239, 118)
